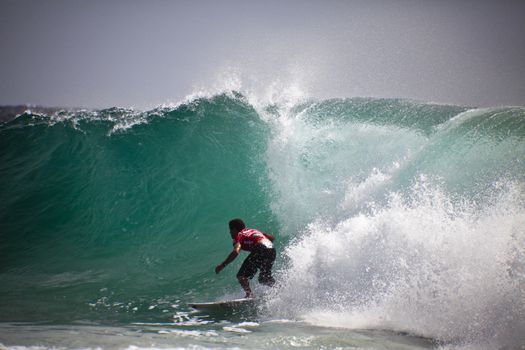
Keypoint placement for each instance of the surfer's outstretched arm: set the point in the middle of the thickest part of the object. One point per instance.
(236, 250)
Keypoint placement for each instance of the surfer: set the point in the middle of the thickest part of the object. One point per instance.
(262, 255)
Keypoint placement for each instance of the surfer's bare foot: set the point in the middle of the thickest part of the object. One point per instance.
(249, 295)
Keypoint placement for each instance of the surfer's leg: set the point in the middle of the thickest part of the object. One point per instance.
(246, 272)
(266, 264)
(245, 284)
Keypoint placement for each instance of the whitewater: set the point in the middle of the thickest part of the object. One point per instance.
(399, 224)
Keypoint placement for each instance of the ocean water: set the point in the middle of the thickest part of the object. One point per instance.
(399, 224)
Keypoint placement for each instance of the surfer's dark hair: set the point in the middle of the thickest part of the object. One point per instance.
(237, 224)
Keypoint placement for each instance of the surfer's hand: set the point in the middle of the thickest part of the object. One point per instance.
(218, 268)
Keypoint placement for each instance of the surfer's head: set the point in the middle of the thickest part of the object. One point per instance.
(236, 225)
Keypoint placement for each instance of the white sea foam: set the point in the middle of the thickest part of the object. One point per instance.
(421, 264)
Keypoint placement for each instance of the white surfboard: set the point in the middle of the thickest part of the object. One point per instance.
(226, 305)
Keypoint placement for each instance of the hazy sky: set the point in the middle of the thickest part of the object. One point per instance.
(145, 53)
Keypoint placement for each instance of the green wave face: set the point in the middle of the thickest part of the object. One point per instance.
(105, 213)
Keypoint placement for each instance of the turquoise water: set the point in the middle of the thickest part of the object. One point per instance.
(399, 224)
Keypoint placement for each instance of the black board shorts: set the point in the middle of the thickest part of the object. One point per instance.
(261, 258)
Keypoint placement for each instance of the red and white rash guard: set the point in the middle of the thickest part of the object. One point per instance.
(250, 237)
